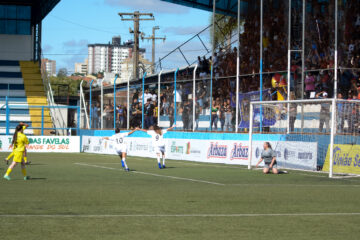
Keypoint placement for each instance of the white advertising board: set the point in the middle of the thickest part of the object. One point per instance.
(64, 144)
(299, 155)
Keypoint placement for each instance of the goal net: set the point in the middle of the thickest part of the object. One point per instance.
(303, 132)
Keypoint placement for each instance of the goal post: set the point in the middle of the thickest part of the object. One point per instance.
(315, 134)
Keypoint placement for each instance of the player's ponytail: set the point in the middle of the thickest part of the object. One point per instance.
(269, 145)
(17, 129)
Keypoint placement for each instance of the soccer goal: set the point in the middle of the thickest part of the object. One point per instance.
(313, 135)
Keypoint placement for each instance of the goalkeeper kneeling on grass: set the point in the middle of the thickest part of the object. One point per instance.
(268, 155)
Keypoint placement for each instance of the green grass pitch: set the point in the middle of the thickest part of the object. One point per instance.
(84, 196)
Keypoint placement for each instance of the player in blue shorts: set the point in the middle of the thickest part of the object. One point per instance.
(120, 145)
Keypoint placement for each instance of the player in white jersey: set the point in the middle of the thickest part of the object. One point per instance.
(120, 145)
(158, 142)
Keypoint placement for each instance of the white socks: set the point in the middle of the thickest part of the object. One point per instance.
(124, 161)
(158, 158)
(163, 158)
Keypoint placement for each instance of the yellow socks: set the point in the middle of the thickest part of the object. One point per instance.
(8, 172)
(25, 159)
(23, 170)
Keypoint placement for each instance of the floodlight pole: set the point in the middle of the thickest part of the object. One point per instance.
(336, 51)
(158, 96)
(153, 38)
(90, 102)
(261, 60)
(289, 69)
(115, 101)
(128, 103)
(303, 62)
(250, 134)
(175, 109)
(238, 68)
(143, 95)
(135, 17)
(194, 92)
(212, 62)
(102, 105)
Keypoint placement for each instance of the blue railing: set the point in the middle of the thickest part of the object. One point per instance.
(42, 128)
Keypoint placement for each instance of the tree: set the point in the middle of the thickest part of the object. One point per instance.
(62, 73)
(74, 85)
(224, 27)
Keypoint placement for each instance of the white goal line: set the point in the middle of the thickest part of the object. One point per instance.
(176, 215)
(153, 174)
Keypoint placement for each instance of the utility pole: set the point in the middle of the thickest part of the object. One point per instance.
(136, 18)
(153, 38)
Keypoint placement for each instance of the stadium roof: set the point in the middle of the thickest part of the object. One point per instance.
(40, 8)
(227, 7)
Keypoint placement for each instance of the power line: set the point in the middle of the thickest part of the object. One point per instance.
(84, 54)
(85, 26)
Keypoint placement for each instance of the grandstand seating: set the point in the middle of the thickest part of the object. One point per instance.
(21, 82)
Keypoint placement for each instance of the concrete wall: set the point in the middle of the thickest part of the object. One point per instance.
(16, 47)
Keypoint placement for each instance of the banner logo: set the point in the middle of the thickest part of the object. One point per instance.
(176, 149)
(217, 151)
(346, 159)
(239, 152)
(257, 152)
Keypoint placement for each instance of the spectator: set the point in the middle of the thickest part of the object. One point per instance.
(214, 115)
(149, 114)
(324, 112)
(309, 85)
(222, 115)
(121, 116)
(171, 114)
(228, 115)
(187, 115)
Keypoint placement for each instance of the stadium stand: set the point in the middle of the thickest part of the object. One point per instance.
(21, 83)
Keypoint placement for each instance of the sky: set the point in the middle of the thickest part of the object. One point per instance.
(73, 24)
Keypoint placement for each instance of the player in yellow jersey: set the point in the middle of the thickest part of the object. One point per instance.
(24, 125)
(19, 142)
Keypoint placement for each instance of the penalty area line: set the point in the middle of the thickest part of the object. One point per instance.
(176, 215)
(153, 174)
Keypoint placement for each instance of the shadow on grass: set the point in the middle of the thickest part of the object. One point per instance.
(35, 179)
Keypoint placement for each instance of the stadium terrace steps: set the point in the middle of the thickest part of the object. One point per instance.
(35, 93)
(22, 83)
(9, 68)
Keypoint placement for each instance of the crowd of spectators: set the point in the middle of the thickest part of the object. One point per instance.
(319, 63)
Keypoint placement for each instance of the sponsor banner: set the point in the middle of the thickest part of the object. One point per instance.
(346, 159)
(66, 144)
(267, 116)
(299, 155)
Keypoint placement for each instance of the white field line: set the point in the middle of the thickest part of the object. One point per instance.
(153, 174)
(191, 164)
(290, 185)
(244, 215)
